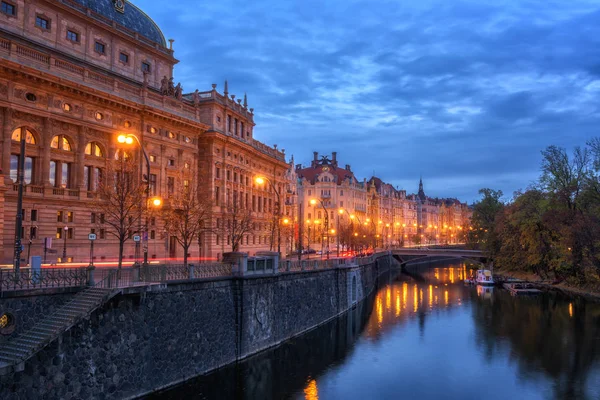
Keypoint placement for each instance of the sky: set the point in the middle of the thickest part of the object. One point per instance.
(465, 94)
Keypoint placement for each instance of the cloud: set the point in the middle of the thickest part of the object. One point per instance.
(465, 93)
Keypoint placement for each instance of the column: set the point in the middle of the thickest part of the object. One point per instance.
(80, 159)
(6, 144)
(46, 139)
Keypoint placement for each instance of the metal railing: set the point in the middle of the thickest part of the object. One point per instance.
(27, 278)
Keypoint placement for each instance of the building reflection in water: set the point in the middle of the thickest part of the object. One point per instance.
(424, 296)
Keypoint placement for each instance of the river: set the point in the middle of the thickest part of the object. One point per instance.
(425, 335)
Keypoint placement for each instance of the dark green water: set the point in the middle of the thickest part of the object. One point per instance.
(427, 336)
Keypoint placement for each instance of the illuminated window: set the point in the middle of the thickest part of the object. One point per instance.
(99, 116)
(29, 138)
(93, 149)
(60, 142)
(67, 107)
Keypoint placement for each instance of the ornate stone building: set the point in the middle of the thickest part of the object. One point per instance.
(74, 75)
(373, 213)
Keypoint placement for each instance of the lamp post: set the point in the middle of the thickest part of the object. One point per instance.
(340, 211)
(308, 239)
(64, 255)
(261, 180)
(313, 202)
(128, 139)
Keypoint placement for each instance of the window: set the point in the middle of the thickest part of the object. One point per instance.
(33, 232)
(152, 158)
(33, 215)
(146, 67)
(102, 235)
(152, 184)
(67, 107)
(59, 233)
(29, 138)
(29, 168)
(101, 218)
(171, 135)
(152, 234)
(70, 216)
(93, 149)
(99, 116)
(72, 36)
(218, 173)
(186, 165)
(93, 218)
(170, 185)
(59, 216)
(60, 142)
(171, 162)
(124, 58)
(9, 9)
(100, 47)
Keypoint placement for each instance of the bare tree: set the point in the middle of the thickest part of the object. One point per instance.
(235, 222)
(186, 214)
(118, 198)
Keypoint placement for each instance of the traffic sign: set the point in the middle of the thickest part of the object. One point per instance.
(136, 238)
(92, 236)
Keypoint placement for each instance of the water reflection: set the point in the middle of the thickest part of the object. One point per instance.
(426, 326)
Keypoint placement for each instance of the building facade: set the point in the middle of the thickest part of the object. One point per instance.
(337, 207)
(75, 75)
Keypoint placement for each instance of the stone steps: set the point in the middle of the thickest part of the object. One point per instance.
(23, 346)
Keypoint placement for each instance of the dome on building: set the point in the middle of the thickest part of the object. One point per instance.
(123, 13)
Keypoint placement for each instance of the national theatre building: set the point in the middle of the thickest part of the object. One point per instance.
(76, 74)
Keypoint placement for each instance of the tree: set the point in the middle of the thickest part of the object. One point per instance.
(234, 224)
(118, 198)
(186, 214)
(485, 212)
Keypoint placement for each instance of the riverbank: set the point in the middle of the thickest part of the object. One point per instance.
(590, 294)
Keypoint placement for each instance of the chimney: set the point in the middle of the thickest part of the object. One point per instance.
(315, 159)
(347, 167)
(334, 158)
(298, 167)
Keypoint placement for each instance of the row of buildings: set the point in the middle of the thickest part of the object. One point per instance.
(77, 74)
(333, 209)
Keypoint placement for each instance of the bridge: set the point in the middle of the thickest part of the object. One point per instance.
(406, 255)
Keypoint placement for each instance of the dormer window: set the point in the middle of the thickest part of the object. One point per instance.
(146, 67)
(124, 58)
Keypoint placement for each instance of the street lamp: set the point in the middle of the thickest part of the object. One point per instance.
(129, 139)
(64, 256)
(261, 180)
(313, 202)
(340, 212)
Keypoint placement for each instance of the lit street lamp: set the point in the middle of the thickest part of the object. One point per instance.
(129, 139)
(313, 202)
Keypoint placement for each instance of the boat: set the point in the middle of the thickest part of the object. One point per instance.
(484, 277)
(521, 288)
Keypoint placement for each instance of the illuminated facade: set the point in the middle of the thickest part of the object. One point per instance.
(75, 74)
(373, 212)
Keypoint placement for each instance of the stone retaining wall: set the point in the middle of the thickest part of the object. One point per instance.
(138, 343)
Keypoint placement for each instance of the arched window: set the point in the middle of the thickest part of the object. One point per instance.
(29, 138)
(60, 142)
(94, 149)
(120, 152)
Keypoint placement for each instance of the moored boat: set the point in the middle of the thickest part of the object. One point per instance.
(521, 288)
(485, 278)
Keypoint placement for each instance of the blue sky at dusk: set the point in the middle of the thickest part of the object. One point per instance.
(464, 93)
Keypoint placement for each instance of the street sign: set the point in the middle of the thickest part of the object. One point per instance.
(92, 236)
(136, 238)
